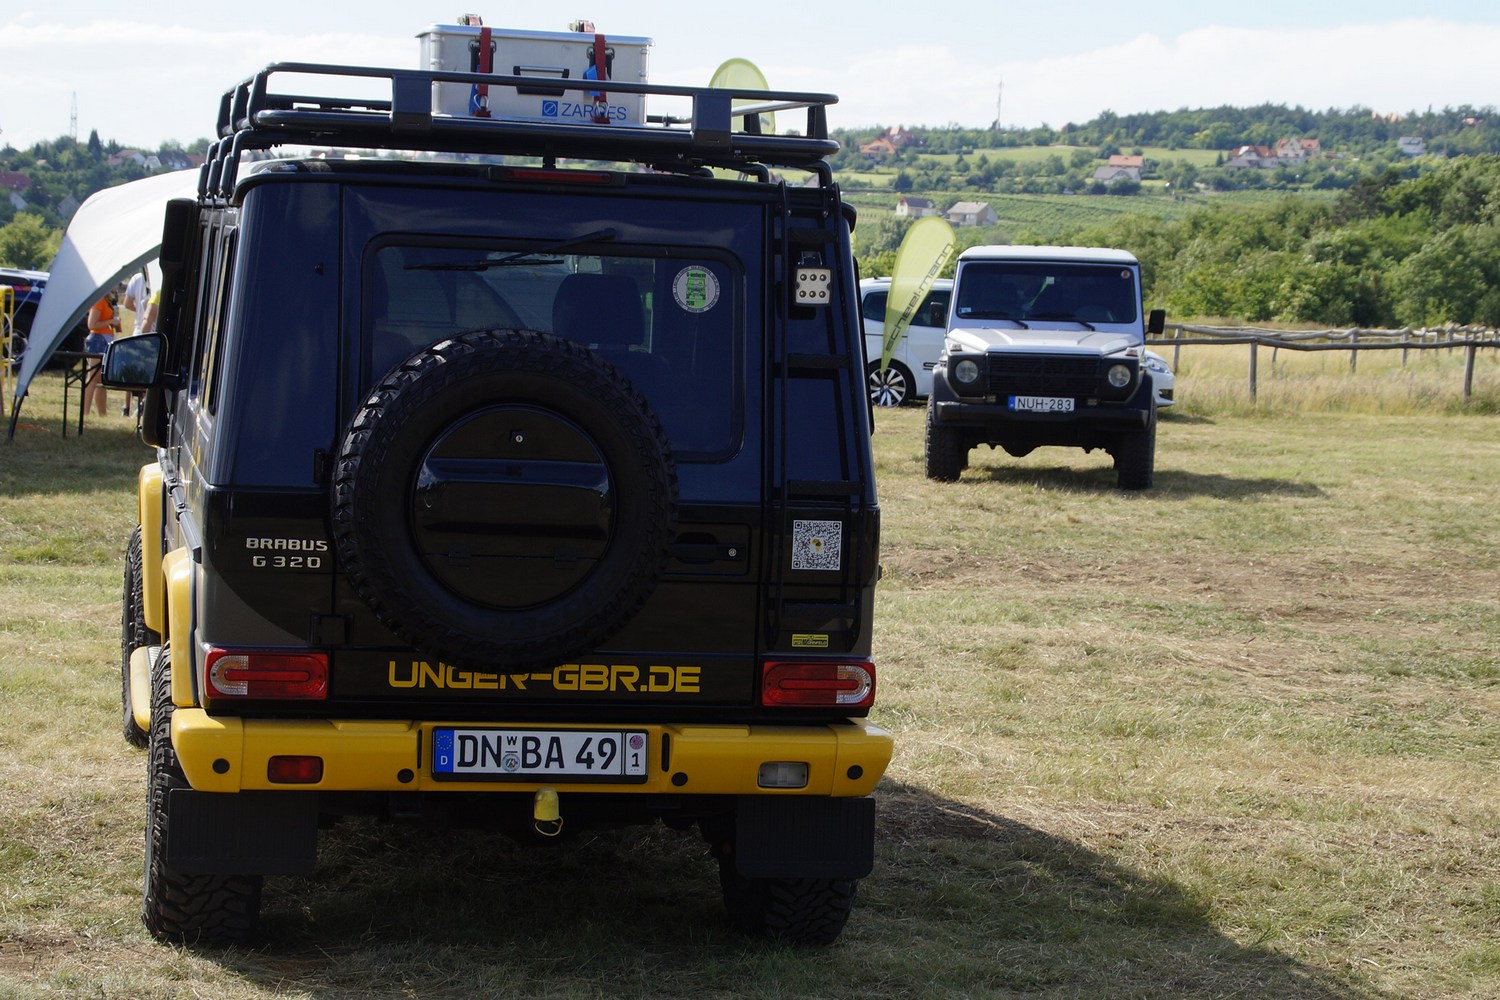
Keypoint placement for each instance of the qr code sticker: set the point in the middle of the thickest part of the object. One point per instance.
(817, 544)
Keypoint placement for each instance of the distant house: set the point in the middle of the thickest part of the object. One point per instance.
(1113, 174)
(1411, 145)
(1296, 150)
(1128, 163)
(176, 159)
(128, 155)
(13, 180)
(971, 213)
(1251, 158)
(915, 208)
(890, 141)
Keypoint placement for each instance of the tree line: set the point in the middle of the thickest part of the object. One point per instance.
(1389, 252)
(1465, 130)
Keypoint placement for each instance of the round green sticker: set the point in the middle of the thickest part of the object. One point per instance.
(696, 289)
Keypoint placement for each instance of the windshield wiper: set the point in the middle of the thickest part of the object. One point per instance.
(1064, 319)
(985, 314)
(535, 256)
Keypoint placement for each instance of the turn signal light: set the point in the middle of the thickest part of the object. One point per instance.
(849, 684)
(267, 675)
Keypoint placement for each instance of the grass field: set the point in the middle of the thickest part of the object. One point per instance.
(1232, 737)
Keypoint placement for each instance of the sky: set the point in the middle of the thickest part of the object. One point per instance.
(147, 71)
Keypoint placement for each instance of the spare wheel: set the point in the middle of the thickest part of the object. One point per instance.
(504, 498)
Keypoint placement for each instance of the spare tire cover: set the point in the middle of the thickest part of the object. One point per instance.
(504, 497)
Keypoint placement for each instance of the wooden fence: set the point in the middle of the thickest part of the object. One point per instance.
(1467, 339)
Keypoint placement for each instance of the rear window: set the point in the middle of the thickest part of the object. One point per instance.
(667, 319)
(1016, 290)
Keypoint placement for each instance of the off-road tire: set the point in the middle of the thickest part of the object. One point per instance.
(803, 911)
(1135, 458)
(891, 387)
(133, 635)
(187, 909)
(494, 379)
(946, 454)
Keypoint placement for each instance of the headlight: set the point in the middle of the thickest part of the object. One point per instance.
(966, 371)
(1119, 376)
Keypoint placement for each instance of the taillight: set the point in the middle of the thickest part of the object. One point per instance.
(841, 684)
(267, 675)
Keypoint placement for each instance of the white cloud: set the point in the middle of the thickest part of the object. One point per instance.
(1394, 67)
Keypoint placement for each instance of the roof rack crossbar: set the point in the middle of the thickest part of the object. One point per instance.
(254, 106)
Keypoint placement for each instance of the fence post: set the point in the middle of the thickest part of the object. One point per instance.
(1177, 347)
(1353, 349)
(1469, 351)
(1253, 346)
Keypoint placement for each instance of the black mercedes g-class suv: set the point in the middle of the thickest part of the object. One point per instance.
(535, 477)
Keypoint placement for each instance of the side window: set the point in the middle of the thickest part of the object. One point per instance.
(217, 320)
(874, 306)
(934, 310)
(208, 264)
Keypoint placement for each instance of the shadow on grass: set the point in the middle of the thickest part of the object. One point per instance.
(1171, 484)
(962, 903)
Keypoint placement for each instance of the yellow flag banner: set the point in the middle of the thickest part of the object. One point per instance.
(924, 251)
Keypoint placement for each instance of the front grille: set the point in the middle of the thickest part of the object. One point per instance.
(1043, 375)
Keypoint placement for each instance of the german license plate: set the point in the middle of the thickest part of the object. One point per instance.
(551, 754)
(1042, 404)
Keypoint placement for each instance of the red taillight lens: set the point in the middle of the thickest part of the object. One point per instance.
(850, 684)
(267, 675)
(294, 770)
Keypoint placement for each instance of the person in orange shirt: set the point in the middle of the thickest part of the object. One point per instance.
(104, 323)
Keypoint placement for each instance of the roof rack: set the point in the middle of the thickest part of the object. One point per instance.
(253, 116)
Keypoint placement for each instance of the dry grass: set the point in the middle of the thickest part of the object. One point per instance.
(1233, 737)
(1215, 379)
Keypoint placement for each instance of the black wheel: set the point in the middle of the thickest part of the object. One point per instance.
(133, 635)
(891, 387)
(807, 911)
(947, 455)
(504, 496)
(220, 909)
(1135, 458)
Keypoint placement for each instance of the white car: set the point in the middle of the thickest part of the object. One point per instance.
(909, 375)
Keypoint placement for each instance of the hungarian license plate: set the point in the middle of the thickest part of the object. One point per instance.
(1042, 404)
(526, 754)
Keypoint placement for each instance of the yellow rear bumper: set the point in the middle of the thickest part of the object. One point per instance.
(228, 755)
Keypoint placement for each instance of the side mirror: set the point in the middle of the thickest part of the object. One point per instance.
(134, 362)
(1156, 321)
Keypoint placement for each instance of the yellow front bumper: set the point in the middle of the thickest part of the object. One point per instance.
(229, 755)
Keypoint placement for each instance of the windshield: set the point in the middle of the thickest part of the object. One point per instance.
(1030, 290)
(666, 320)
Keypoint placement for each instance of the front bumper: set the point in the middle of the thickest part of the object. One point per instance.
(1111, 416)
(226, 754)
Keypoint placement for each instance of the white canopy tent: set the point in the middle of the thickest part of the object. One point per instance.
(112, 234)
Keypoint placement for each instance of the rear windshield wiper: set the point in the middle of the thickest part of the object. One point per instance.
(536, 256)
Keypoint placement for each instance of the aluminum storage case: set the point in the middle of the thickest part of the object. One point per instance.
(547, 56)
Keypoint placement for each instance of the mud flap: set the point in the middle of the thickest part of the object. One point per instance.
(804, 837)
(260, 833)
